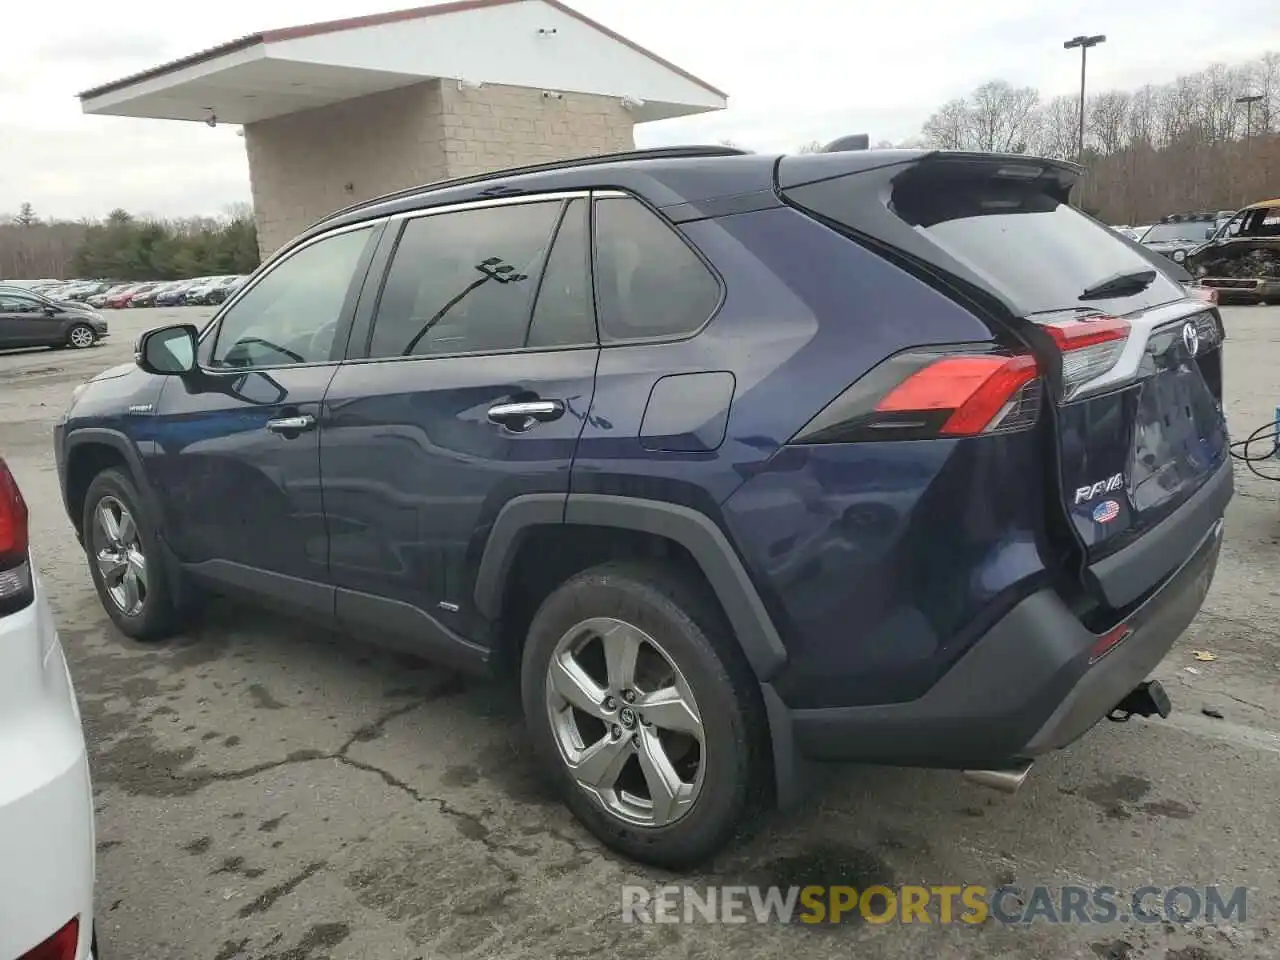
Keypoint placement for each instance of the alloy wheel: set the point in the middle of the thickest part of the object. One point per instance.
(117, 550)
(81, 337)
(626, 722)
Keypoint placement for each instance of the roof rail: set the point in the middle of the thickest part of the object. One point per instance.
(652, 153)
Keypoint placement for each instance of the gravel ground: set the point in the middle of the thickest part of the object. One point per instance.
(269, 791)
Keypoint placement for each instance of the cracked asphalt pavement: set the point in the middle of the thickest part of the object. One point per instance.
(270, 792)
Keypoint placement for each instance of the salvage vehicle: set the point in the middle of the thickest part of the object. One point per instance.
(1178, 235)
(1242, 262)
(737, 462)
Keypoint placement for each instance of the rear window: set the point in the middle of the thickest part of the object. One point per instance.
(1019, 239)
(1036, 251)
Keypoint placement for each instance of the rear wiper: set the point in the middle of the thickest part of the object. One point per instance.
(1122, 283)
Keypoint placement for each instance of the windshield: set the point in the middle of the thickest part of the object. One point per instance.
(1194, 230)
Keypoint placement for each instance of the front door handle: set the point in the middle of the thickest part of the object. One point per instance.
(523, 415)
(296, 424)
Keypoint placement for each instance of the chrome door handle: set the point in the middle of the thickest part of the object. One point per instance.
(524, 414)
(292, 424)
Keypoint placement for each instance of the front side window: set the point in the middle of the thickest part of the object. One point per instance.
(464, 282)
(649, 282)
(15, 303)
(291, 315)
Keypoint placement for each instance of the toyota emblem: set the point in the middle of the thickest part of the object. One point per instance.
(1191, 338)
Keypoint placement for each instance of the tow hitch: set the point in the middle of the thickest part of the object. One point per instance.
(1147, 699)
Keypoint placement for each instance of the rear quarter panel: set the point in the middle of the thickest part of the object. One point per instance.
(874, 559)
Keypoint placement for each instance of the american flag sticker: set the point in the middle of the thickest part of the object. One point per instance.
(1106, 511)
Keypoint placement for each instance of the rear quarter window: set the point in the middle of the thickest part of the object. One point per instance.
(650, 284)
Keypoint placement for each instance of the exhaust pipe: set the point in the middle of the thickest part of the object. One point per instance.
(1006, 781)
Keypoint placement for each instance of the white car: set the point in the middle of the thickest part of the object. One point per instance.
(46, 801)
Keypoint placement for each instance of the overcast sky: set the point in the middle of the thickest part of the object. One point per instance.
(794, 71)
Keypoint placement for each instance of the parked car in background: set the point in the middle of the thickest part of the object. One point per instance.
(46, 798)
(147, 298)
(1177, 235)
(1242, 262)
(1126, 231)
(123, 298)
(175, 294)
(896, 458)
(215, 290)
(28, 319)
(99, 299)
(92, 289)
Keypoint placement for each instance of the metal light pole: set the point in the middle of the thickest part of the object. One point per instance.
(1249, 100)
(1084, 43)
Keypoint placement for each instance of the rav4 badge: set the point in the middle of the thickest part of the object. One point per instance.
(1085, 494)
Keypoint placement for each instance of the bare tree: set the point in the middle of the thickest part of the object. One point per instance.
(813, 146)
(26, 216)
(1002, 116)
(1057, 129)
(1143, 107)
(1108, 118)
(948, 128)
(1176, 147)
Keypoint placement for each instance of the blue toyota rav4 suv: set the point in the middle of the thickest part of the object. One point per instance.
(739, 462)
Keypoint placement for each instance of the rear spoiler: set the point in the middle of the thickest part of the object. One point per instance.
(806, 168)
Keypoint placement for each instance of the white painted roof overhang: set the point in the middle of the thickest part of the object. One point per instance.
(541, 44)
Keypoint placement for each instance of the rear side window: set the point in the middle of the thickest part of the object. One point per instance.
(1021, 240)
(649, 282)
(564, 314)
(464, 282)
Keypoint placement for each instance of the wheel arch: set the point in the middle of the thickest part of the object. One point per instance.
(707, 546)
(692, 530)
(89, 451)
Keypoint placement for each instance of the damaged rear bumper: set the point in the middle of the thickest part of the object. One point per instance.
(1037, 681)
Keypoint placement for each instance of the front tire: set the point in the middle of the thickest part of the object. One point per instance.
(644, 712)
(125, 559)
(81, 336)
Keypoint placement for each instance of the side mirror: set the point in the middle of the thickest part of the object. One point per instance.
(167, 350)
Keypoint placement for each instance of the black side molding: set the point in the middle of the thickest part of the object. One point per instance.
(1130, 572)
(693, 530)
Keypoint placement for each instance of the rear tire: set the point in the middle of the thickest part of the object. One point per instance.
(81, 336)
(126, 559)
(711, 745)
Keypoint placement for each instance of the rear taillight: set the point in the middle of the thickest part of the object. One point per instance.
(61, 946)
(920, 395)
(15, 568)
(1090, 347)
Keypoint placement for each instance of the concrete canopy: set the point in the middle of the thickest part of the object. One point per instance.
(539, 44)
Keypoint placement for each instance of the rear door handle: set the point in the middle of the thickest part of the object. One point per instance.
(523, 415)
(296, 424)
